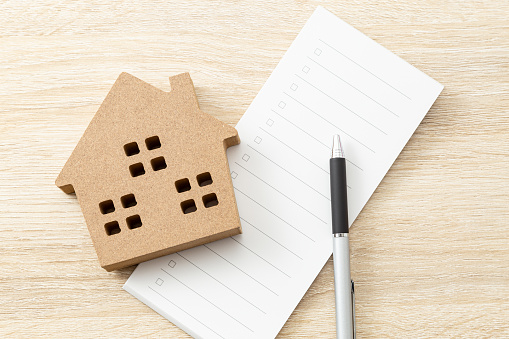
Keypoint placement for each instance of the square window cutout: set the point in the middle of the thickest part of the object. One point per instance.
(131, 149)
(153, 143)
(107, 207)
(133, 222)
(182, 185)
(210, 200)
(188, 206)
(112, 228)
(137, 169)
(204, 179)
(158, 163)
(128, 201)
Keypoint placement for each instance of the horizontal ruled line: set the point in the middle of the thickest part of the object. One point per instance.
(210, 302)
(382, 80)
(341, 104)
(349, 84)
(284, 169)
(168, 300)
(198, 267)
(259, 256)
(284, 195)
(303, 156)
(274, 240)
(304, 131)
(241, 270)
(298, 154)
(327, 146)
(274, 214)
(330, 123)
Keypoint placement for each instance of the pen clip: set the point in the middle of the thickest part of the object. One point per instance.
(353, 308)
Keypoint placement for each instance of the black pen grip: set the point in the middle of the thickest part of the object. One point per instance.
(338, 187)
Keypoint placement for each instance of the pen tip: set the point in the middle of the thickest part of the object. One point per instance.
(337, 149)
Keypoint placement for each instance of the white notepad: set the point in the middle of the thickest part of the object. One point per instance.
(333, 79)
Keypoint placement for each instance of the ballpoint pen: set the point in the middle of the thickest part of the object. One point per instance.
(343, 285)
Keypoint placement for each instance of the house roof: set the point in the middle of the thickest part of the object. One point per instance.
(131, 109)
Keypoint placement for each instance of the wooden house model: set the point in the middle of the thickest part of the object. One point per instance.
(151, 173)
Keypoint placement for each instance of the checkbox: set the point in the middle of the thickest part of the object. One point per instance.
(245, 157)
(234, 175)
(159, 282)
(318, 51)
(172, 263)
(282, 104)
(305, 69)
(258, 140)
(294, 87)
(270, 122)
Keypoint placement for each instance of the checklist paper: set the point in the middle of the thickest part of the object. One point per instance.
(333, 79)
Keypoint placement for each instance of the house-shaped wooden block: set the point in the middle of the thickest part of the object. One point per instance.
(151, 173)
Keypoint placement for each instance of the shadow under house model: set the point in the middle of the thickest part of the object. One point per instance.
(151, 173)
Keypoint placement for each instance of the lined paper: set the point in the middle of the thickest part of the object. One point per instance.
(333, 79)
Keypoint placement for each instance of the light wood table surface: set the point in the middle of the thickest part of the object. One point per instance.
(430, 251)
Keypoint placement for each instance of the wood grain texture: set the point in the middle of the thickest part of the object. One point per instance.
(430, 249)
